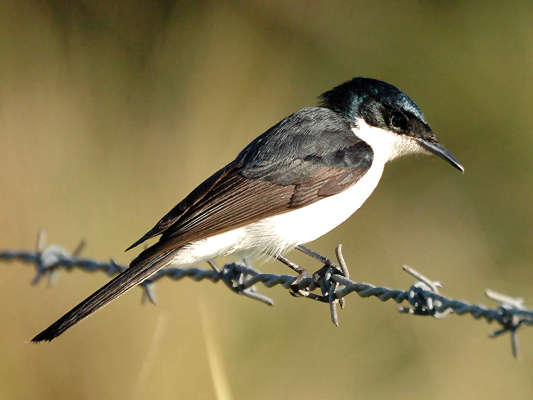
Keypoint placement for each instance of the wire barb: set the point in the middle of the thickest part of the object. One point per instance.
(423, 305)
(332, 280)
(510, 322)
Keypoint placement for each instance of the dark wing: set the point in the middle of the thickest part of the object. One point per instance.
(308, 156)
(195, 196)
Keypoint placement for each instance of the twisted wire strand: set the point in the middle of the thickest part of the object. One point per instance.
(332, 281)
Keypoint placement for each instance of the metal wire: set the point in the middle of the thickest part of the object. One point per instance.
(332, 281)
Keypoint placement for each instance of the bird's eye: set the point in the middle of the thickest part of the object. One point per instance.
(399, 121)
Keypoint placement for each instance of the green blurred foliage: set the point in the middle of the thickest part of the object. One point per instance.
(112, 111)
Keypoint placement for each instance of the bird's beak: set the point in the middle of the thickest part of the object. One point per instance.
(439, 150)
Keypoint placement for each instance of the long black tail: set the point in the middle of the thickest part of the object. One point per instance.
(146, 264)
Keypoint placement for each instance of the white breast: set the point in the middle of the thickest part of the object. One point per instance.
(310, 222)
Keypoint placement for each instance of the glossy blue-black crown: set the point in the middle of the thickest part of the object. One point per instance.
(364, 97)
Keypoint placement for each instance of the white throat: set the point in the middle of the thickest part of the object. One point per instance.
(386, 145)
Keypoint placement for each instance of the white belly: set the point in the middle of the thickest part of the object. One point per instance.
(276, 235)
(309, 223)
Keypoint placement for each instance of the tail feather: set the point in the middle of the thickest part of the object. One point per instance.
(146, 264)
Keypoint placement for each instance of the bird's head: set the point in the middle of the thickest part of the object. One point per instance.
(386, 118)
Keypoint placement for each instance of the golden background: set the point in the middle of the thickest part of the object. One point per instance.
(112, 111)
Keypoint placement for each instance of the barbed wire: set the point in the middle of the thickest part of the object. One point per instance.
(332, 281)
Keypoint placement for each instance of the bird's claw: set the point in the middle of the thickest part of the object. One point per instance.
(294, 291)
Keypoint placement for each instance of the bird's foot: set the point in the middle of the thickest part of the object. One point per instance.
(322, 279)
(234, 275)
(295, 291)
(302, 274)
(328, 264)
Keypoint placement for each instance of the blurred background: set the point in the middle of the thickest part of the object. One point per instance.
(112, 111)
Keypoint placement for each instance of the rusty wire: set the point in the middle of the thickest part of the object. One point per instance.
(332, 281)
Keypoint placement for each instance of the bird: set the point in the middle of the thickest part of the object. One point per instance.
(292, 184)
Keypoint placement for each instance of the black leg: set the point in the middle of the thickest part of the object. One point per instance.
(301, 271)
(302, 274)
(324, 260)
(316, 256)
